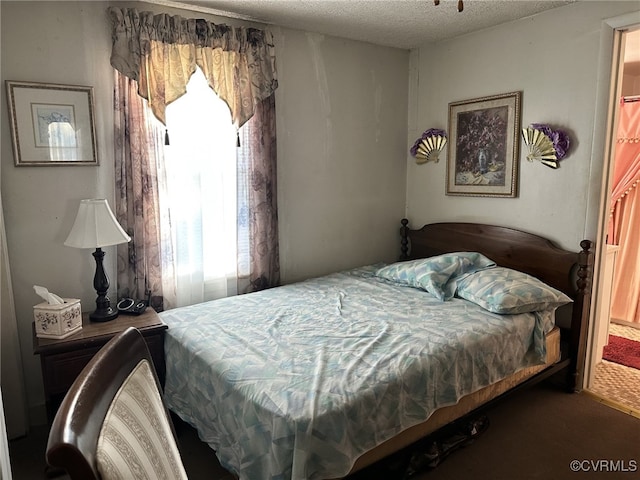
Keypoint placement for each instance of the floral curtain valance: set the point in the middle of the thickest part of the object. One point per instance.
(161, 52)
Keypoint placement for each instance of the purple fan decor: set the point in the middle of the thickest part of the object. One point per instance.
(429, 145)
(559, 139)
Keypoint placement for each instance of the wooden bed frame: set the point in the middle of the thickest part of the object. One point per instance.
(564, 270)
(569, 272)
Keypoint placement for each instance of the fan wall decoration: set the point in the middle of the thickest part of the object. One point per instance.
(546, 145)
(428, 147)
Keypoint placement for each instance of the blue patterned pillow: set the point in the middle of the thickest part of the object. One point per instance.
(506, 291)
(435, 274)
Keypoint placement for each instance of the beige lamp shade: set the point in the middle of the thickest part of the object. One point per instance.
(95, 226)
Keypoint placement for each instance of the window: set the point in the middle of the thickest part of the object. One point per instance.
(202, 193)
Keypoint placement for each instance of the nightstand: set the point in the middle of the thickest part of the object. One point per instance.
(62, 360)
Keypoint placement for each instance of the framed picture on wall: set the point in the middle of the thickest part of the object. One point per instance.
(484, 148)
(51, 124)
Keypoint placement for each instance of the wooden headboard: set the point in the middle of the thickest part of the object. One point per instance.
(568, 271)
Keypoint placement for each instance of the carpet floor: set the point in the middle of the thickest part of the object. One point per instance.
(533, 434)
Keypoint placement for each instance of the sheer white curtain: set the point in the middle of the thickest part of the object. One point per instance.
(201, 194)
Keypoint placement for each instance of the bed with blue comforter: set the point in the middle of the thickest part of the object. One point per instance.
(297, 382)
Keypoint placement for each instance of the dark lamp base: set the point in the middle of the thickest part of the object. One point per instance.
(104, 315)
(103, 312)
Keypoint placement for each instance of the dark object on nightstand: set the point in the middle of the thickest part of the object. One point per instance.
(129, 306)
(62, 360)
(104, 311)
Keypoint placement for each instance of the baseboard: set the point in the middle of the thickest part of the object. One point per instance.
(612, 403)
(617, 321)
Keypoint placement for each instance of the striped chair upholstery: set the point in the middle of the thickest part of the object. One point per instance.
(136, 440)
(113, 424)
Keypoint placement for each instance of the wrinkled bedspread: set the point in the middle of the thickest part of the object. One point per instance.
(296, 382)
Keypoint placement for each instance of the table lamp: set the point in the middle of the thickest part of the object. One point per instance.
(96, 227)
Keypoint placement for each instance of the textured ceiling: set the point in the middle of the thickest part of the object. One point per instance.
(395, 23)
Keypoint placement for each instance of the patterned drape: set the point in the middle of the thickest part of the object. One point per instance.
(158, 54)
(146, 263)
(257, 197)
(161, 52)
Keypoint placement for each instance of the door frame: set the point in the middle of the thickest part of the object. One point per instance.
(611, 59)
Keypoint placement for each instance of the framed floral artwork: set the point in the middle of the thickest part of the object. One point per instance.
(484, 148)
(51, 124)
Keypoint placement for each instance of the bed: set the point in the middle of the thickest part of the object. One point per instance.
(318, 379)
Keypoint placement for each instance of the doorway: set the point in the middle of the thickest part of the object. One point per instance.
(611, 378)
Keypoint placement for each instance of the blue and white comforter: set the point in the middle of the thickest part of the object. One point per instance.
(298, 381)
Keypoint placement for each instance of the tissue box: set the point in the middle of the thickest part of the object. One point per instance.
(58, 321)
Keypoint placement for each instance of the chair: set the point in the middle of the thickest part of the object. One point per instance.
(112, 422)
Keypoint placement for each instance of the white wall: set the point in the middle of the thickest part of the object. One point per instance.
(342, 130)
(67, 43)
(631, 71)
(553, 58)
(11, 372)
(341, 152)
(631, 80)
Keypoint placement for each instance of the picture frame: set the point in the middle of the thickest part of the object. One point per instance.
(51, 124)
(483, 150)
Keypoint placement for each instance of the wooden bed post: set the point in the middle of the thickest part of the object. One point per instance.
(580, 317)
(404, 240)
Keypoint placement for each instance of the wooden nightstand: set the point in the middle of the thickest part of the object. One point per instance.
(62, 360)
